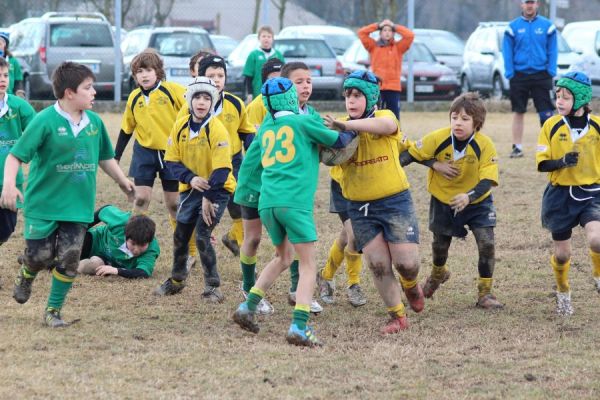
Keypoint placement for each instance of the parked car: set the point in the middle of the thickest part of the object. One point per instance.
(584, 38)
(43, 43)
(176, 45)
(337, 37)
(432, 80)
(327, 71)
(483, 67)
(223, 44)
(446, 47)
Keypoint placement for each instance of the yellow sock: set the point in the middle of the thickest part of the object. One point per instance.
(438, 272)
(595, 264)
(237, 231)
(335, 259)
(484, 286)
(192, 244)
(397, 311)
(407, 284)
(561, 273)
(353, 267)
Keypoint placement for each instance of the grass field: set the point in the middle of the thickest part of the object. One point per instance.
(130, 344)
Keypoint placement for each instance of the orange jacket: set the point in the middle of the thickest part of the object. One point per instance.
(386, 58)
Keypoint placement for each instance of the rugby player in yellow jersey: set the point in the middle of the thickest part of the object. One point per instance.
(464, 169)
(569, 150)
(379, 203)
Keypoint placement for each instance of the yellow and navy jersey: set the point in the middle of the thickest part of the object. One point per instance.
(376, 163)
(151, 118)
(256, 111)
(232, 113)
(476, 162)
(556, 139)
(203, 152)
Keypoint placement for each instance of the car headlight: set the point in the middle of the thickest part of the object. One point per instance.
(448, 78)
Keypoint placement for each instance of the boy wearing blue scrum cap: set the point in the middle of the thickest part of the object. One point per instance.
(568, 151)
(290, 158)
(198, 155)
(15, 83)
(382, 215)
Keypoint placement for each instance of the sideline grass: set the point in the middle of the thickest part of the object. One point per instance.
(132, 345)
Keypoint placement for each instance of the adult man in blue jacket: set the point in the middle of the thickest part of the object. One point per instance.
(530, 56)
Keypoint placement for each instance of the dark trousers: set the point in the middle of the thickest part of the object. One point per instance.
(390, 100)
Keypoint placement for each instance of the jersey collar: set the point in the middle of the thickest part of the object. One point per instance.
(4, 103)
(76, 128)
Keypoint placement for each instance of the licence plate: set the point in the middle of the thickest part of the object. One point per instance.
(423, 89)
(179, 72)
(315, 72)
(95, 67)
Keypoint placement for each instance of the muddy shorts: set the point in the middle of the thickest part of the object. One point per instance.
(443, 221)
(146, 164)
(338, 204)
(565, 207)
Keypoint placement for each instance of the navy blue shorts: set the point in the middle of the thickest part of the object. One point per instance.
(338, 204)
(443, 222)
(236, 163)
(394, 216)
(146, 164)
(190, 207)
(565, 207)
(8, 222)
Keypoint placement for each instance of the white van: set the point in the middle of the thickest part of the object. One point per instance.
(584, 38)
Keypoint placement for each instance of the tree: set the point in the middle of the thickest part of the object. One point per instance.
(256, 14)
(280, 5)
(162, 9)
(107, 7)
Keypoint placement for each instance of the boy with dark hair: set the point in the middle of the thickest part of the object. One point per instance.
(464, 168)
(150, 113)
(199, 155)
(195, 60)
(290, 160)
(15, 115)
(124, 245)
(65, 144)
(231, 111)
(256, 59)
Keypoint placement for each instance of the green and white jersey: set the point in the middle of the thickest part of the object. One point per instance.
(108, 242)
(290, 158)
(64, 160)
(253, 67)
(14, 73)
(15, 115)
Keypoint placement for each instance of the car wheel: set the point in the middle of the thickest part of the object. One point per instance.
(465, 86)
(497, 88)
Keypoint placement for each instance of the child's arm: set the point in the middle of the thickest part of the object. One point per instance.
(134, 273)
(10, 193)
(462, 200)
(122, 141)
(408, 37)
(376, 126)
(112, 169)
(364, 35)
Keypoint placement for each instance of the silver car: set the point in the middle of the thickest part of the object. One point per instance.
(483, 67)
(43, 43)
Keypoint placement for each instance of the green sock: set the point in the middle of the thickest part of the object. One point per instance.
(254, 297)
(61, 284)
(248, 264)
(294, 275)
(300, 315)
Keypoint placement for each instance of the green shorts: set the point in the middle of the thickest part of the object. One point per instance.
(298, 225)
(36, 229)
(244, 196)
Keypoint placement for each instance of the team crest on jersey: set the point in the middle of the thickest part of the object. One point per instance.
(447, 156)
(62, 131)
(539, 31)
(229, 118)
(9, 115)
(470, 159)
(162, 101)
(92, 130)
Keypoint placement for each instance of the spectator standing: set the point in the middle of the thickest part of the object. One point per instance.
(530, 57)
(386, 59)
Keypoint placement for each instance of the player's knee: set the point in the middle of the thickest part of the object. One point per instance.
(408, 268)
(38, 258)
(253, 243)
(379, 269)
(562, 256)
(141, 200)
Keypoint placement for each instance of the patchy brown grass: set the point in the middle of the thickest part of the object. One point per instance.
(130, 344)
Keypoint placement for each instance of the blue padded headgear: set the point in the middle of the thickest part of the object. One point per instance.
(367, 83)
(6, 36)
(279, 94)
(580, 85)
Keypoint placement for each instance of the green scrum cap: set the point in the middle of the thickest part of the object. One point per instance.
(367, 83)
(279, 94)
(579, 85)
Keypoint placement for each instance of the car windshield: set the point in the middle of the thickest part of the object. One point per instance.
(179, 44)
(299, 48)
(339, 43)
(421, 53)
(80, 35)
(443, 44)
(563, 47)
(224, 46)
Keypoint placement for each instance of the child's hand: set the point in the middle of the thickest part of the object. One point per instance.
(200, 184)
(459, 202)
(9, 197)
(209, 211)
(128, 188)
(332, 123)
(446, 169)
(105, 270)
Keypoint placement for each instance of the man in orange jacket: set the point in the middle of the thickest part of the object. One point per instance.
(386, 58)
